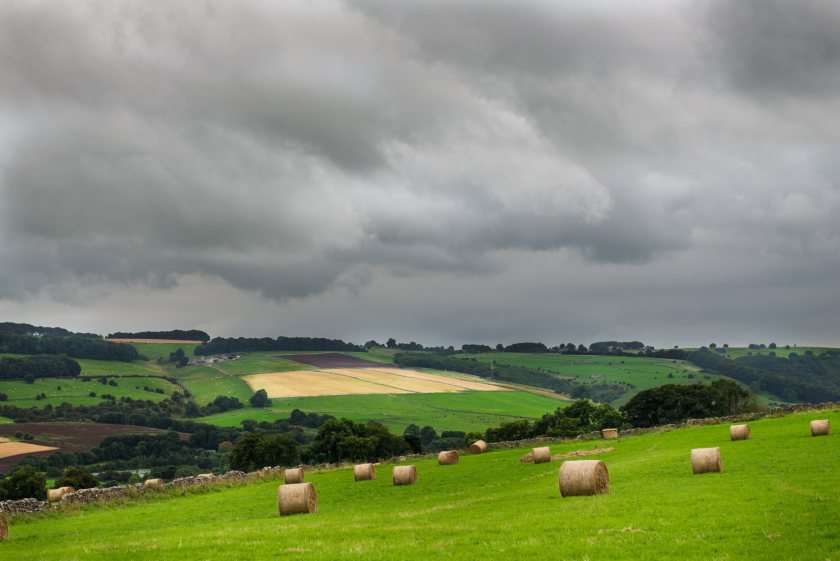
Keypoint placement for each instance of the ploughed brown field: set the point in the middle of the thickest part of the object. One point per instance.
(162, 341)
(332, 360)
(67, 437)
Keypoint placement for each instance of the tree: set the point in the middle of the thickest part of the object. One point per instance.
(78, 478)
(772, 345)
(372, 344)
(427, 434)
(391, 343)
(256, 451)
(25, 482)
(260, 399)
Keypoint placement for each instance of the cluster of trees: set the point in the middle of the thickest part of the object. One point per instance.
(43, 366)
(604, 347)
(580, 417)
(179, 358)
(29, 329)
(178, 334)
(221, 345)
(674, 403)
(73, 346)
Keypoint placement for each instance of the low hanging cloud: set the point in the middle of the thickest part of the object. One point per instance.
(289, 149)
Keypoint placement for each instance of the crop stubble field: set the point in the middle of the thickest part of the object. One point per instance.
(777, 499)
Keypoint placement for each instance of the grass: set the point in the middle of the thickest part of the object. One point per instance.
(6, 421)
(641, 372)
(206, 383)
(466, 411)
(154, 351)
(76, 392)
(781, 351)
(777, 499)
(116, 368)
(259, 363)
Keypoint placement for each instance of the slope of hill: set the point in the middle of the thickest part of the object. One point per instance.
(777, 498)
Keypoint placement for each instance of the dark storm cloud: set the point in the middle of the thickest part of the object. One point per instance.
(292, 150)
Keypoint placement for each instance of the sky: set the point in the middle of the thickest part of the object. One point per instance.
(467, 171)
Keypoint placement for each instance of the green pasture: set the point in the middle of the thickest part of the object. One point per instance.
(781, 351)
(206, 383)
(466, 411)
(641, 372)
(778, 498)
(76, 392)
(6, 421)
(154, 351)
(116, 368)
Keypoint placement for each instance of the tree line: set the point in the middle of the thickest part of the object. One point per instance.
(73, 346)
(184, 335)
(220, 345)
(29, 329)
(40, 366)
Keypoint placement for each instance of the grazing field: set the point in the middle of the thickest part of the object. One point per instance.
(466, 411)
(207, 382)
(77, 392)
(346, 381)
(117, 368)
(777, 498)
(641, 372)
(154, 351)
(257, 363)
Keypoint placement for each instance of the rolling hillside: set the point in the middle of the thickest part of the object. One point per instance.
(777, 498)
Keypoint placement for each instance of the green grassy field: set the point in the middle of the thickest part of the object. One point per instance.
(76, 392)
(777, 499)
(117, 368)
(781, 351)
(206, 383)
(466, 411)
(642, 372)
(154, 351)
(258, 363)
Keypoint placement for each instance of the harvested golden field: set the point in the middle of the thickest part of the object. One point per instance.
(348, 381)
(9, 449)
(161, 341)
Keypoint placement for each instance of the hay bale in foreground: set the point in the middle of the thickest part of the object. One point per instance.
(448, 457)
(404, 475)
(541, 455)
(293, 475)
(54, 495)
(4, 528)
(584, 477)
(706, 460)
(609, 434)
(157, 483)
(739, 432)
(478, 447)
(820, 427)
(527, 458)
(296, 498)
(364, 472)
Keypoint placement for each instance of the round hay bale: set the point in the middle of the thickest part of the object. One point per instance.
(706, 460)
(541, 455)
(448, 457)
(584, 477)
(296, 498)
(404, 475)
(157, 483)
(820, 428)
(364, 472)
(739, 432)
(293, 475)
(4, 528)
(205, 476)
(478, 447)
(609, 434)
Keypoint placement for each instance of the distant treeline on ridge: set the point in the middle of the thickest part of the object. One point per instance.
(178, 334)
(29, 329)
(44, 366)
(245, 344)
(73, 346)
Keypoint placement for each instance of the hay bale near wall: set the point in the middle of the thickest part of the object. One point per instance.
(205, 476)
(153, 483)
(364, 472)
(609, 434)
(583, 478)
(448, 457)
(4, 528)
(404, 475)
(296, 498)
(820, 428)
(541, 455)
(55, 495)
(706, 460)
(478, 447)
(739, 432)
(293, 475)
